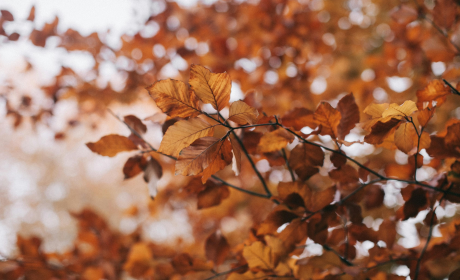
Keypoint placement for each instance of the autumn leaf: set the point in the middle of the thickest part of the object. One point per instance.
(350, 115)
(217, 248)
(112, 144)
(329, 119)
(210, 87)
(275, 140)
(375, 111)
(293, 233)
(133, 166)
(212, 195)
(400, 111)
(406, 138)
(207, 155)
(444, 13)
(182, 134)
(139, 262)
(381, 130)
(258, 256)
(299, 118)
(174, 98)
(152, 174)
(236, 148)
(313, 200)
(135, 123)
(425, 115)
(434, 91)
(415, 203)
(305, 160)
(452, 139)
(242, 113)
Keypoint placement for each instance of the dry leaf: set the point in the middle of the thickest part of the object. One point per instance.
(350, 115)
(112, 144)
(258, 256)
(275, 141)
(329, 119)
(242, 113)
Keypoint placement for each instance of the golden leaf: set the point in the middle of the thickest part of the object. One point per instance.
(328, 118)
(406, 138)
(174, 98)
(210, 87)
(242, 113)
(112, 144)
(182, 134)
(258, 256)
(275, 140)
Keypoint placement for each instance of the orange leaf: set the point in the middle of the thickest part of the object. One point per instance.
(242, 113)
(425, 115)
(217, 248)
(299, 118)
(210, 87)
(112, 144)
(258, 256)
(406, 138)
(174, 98)
(350, 115)
(275, 140)
(133, 166)
(207, 155)
(294, 233)
(328, 118)
(434, 91)
(212, 195)
(452, 139)
(400, 111)
(313, 200)
(236, 148)
(444, 13)
(375, 111)
(304, 160)
(182, 134)
(139, 259)
(381, 130)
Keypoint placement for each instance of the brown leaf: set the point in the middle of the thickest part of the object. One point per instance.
(242, 113)
(329, 119)
(444, 13)
(455, 275)
(381, 130)
(313, 200)
(184, 263)
(216, 248)
(338, 159)
(434, 91)
(404, 14)
(182, 134)
(207, 155)
(138, 263)
(174, 98)
(274, 220)
(210, 87)
(387, 233)
(31, 16)
(416, 202)
(236, 148)
(133, 166)
(373, 197)
(375, 111)
(452, 139)
(7, 16)
(425, 115)
(350, 115)
(136, 124)
(294, 233)
(112, 144)
(304, 160)
(440, 150)
(406, 138)
(275, 140)
(258, 256)
(212, 195)
(299, 118)
(152, 174)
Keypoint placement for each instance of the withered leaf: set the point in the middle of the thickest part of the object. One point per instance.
(299, 118)
(425, 115)
(274, 220)
(133, 166)
(242, 113)
(294, 233)
(434, 91)
(152, 174)
(415, 203)
(212, 195)
(258, 256)
(444, 13)
(112, 144)
(387, 233)
(216, 248)
(207, 155)
(139, 263)
(136, 124)
(305, 159)
(452, 139)
(406, 138)
(400, 111)
(236, 148)
(375, 111)
(210, 87)
(350, 115)
(275, 140)
(329, 119)
(313, 200)
(182, 134)
(381, 130)
(174, 98)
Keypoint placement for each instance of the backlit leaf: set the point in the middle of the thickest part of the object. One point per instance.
(152, 174)
(329, 119)
(258, 256)
(174, 98)
(400, 111)
(381, 130)
(305, 159)
(210, 87)
(299, 118)
(182, 134)
(112, 144)
(350, 115)
(406, 138)
(434, 91)
(242, 113)
(236, 148)
(275, 140)
(425, 115)
(207, 155)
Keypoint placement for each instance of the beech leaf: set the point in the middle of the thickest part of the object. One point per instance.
(329, 119)
(350, 115)
(182, 134)
(112, 144)
(242, 113)
(275, 140)
(236, 148)
(216, 248)
(258, 256)
(436, 90)
(174, 98)
(406, 138)
(305, 159)
(210, 87)
(400, 111)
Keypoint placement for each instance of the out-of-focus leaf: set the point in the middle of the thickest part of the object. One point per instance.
(413, 206)
(444, 13)
(139, 262)
(112, 144)
(434, 91)
(134, 165)
(174, 98)
(236, 148)
(212, 195)
(258, 256)
(182, 134)
(152, 174)
(242, 113)
(216, 248)
(210, 87)
(299, 118)
(425, 115)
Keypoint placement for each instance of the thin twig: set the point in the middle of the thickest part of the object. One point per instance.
(454, 90)
(283, 152)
